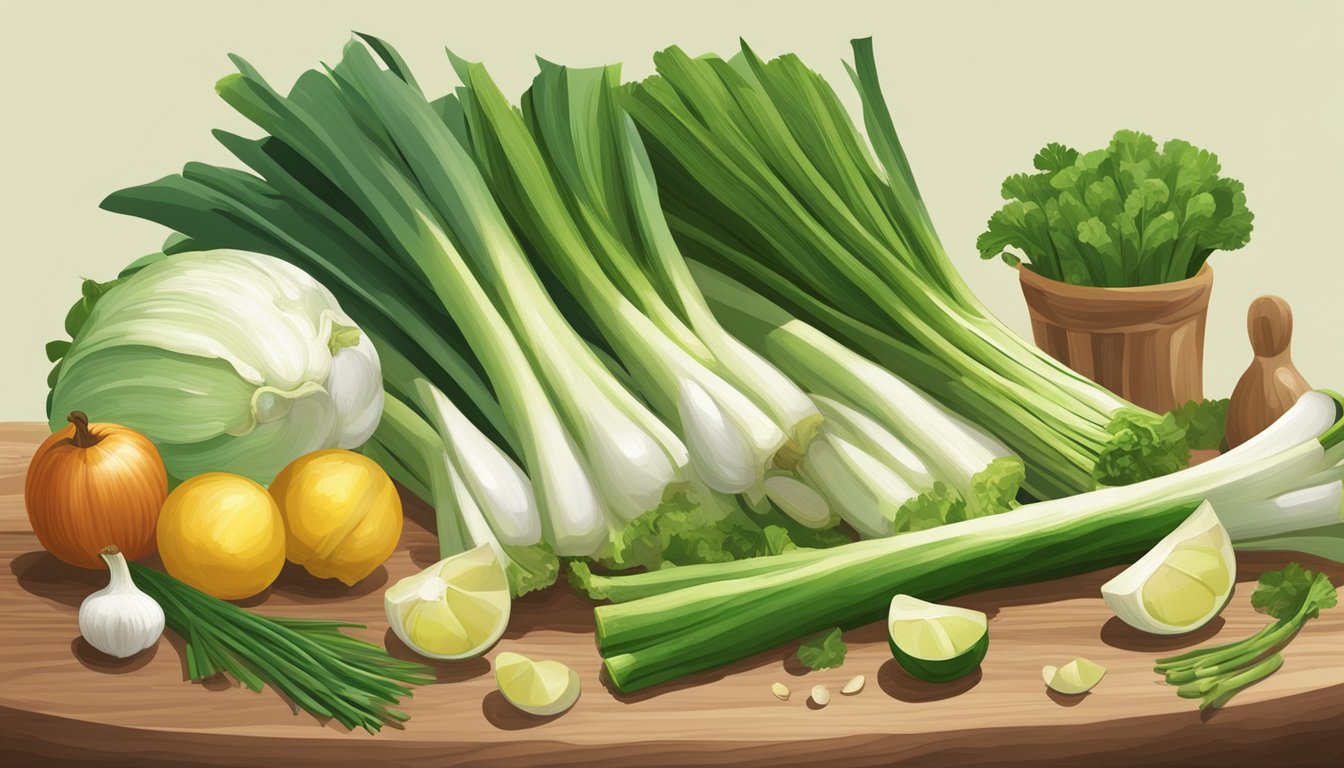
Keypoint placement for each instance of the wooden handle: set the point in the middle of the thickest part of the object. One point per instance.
(1270, 325)
(1271, 384)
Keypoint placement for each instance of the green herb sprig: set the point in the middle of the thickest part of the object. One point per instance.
(311, 662)
(1125, 215)
(1294, 596)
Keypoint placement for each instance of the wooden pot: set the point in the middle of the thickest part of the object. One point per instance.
(1144, 343)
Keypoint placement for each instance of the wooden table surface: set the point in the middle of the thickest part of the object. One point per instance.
(61, 702)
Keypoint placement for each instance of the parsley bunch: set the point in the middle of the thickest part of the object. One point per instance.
(1124, 215)
(1294, 596)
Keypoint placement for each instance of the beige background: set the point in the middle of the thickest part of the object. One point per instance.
(99, 95)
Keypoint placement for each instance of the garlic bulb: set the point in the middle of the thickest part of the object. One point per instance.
(119, 619)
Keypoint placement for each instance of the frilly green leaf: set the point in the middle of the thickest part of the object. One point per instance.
(1142, 446)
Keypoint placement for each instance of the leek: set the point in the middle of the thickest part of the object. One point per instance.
(763, 176)
(420, 462)
(722, 613)
(590, 197)
(732, 441)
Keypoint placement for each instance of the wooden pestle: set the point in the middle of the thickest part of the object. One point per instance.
(1271, 384)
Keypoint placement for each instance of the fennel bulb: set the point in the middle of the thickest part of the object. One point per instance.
(229, 361)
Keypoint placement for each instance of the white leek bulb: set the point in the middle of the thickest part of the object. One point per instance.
(119, 619)
(720, 453)
(798, 500)
(228, 361)
(498, 484)
(862, 490)
(953, 449)
(864, 431)
(627, 464)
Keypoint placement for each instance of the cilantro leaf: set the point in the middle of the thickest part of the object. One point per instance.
(1124, 215)
(1286, 593)
(823, 651)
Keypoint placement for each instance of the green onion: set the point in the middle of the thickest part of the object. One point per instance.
(310, 662)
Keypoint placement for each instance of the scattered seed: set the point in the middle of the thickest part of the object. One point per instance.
(854, 685)
(781, 691)
(821, 695)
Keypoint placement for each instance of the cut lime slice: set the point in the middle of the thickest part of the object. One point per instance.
(1078, 676)
(1182, 583)
(454, 609)
(936, 643)
(537, 687)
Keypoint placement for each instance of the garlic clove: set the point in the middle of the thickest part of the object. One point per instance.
(854, 685)
(119, 619)
(821, 695)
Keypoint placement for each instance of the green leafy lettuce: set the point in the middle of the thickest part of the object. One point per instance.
(683, 532)
(1204, 422)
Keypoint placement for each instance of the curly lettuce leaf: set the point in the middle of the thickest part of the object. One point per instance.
(683, 532)
(1204, 422)
(1142, 446)
(530, 568)
(994, 488)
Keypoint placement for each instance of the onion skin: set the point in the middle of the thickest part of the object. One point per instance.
(91, 486)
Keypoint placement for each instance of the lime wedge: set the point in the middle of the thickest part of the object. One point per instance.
(537, 687)
(1078, 676)
(454, 609)
(936, 643)
(1182, 583)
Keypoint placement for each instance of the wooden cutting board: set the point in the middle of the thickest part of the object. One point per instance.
(61, 702)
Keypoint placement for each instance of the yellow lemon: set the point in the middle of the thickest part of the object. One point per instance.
(222, 534)
(341, 511)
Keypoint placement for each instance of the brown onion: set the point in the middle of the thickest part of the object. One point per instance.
(91, 486)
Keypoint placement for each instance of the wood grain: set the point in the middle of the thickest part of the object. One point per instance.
(62, 703)
(1272, 383)
(1144, 343)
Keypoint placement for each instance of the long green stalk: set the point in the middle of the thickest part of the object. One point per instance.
(765, 179)
(568, 234)
(730, 616)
